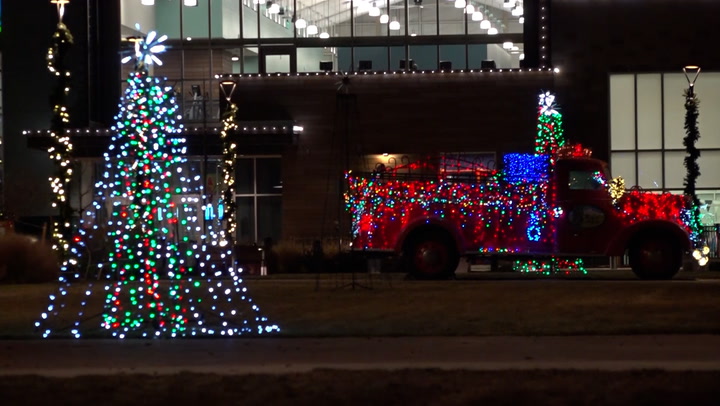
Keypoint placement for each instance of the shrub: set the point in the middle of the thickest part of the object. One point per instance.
(26, 260)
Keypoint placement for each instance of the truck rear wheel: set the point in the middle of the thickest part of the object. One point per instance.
(655, 256)
(431, 254)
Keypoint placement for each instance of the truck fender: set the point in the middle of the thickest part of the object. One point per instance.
(429, 222)
(621, 241)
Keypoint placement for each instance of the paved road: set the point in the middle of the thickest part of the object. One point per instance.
(280, 355)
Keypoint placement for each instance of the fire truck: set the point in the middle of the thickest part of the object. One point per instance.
(551, 206)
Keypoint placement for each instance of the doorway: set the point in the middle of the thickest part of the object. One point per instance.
(278, 59)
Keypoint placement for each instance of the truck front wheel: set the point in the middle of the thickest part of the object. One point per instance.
(431, 255)
(655, 257)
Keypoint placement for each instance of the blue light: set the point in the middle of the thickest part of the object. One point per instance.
(526, 168)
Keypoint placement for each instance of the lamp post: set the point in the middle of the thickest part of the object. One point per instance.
(692, 134)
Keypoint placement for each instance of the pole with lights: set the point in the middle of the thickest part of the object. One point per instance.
(60, 149)
(692, 135)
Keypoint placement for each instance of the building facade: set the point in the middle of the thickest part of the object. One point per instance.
(327, 86)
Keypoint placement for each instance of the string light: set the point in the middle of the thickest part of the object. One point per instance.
(390, 72)
(508, 211)
(159, 281)
(60, 149)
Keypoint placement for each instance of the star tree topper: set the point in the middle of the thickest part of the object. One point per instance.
(146, 50)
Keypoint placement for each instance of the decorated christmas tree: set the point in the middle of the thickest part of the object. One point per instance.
(549, 144)
(550, 131)
(162, 279)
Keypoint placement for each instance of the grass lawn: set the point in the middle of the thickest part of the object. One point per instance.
(323, 307)
(308, 307)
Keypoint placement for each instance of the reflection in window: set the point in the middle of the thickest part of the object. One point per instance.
(586, 180)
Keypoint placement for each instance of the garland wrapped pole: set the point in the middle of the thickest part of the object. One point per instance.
(60, 149)
(692, 135)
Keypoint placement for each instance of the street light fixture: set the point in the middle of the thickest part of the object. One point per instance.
(689, 70)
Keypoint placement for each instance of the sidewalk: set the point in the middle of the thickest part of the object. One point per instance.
(283, 355)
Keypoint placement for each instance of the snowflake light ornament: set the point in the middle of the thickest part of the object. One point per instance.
(547, 104)
(146, 50)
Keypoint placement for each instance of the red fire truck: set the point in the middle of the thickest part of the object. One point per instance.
(536, 207)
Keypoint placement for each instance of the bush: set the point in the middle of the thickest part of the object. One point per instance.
(26, 260)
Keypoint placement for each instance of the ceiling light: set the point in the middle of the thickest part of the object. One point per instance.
(517, 11)
(190, 3)
(384, 19)
(147, 2)
(312, 29)
(374, 11)
(394, 25)
(324, 35)
(300, 23)
(492, 31)
(509, 4)
(521, 20)
(522, 57)
(507, 45)
(235, 58)
(259, 1)
(485, 25)
(469, 9)
(477, 16)
(515, 48)
(274, 8)
(460, 3)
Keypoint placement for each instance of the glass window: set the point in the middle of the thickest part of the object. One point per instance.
(422, 17)
(269, 179)
(251, 60)
(623, 164)
(424, 56)
(650, 170)
(452, 57)
(396, 20)
(272, 23)
(259, 198)
(250, 19)
(708, 92)
(269, 209)
(397, 59)
(196, 20)
(166, 15)
(310, 59)
(225, 18)
(366, 19)
(476, 54)
(371, 58)
(245, 217)
(245, 176)
(674, 170)
(585, 180)
(452, 19)
(674, 84)
(649, 104)
(622, 112)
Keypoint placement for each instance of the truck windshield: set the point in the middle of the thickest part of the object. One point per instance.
(586, 180)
